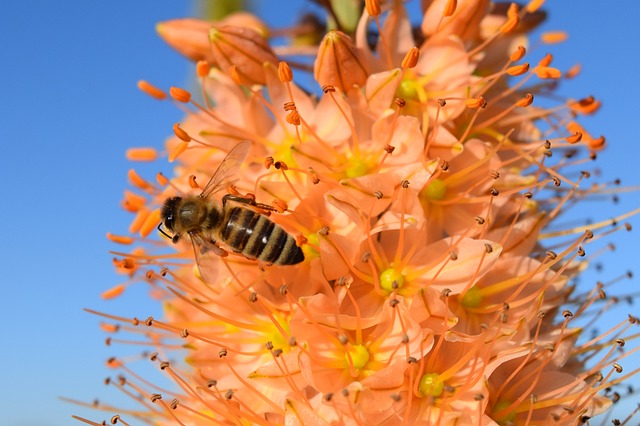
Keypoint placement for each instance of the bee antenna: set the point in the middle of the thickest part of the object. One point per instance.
(165, 234)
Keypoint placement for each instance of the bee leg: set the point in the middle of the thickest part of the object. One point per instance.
(267, 209)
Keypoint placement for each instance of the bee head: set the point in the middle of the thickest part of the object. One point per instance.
(168, 212)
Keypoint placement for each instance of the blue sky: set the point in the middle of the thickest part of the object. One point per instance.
(70, 110)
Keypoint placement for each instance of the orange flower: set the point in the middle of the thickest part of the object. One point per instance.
(422, 190)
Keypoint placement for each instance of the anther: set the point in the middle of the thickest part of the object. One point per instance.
(410, 60)
(411, 360)
(328, 88)
(192, 182)
(441, 102)
(280, 206)
(620, 342)
(324, 231)
(228, 394)
(222, 353)
(588, 234)
(405, 338)
(268, 162)
(328, 396)
(479, 220)
(253, 297)
(283, 290)
(444, 166)
(395, 397)
(174, 403)
(281, 165)
(453, 256)
(315, 179)
(393, 302)
(365, 257)
(617, 367)
(269, 345)
(494, 174)
(345, 392)
(152, 90)
(277, 352)
(115, 419)
(525, 101)
(179, 94)
(585, 174)
(378, 194)
(343, 339)
(567, 313)
(574, 138)
(404, 184)
(149, 321)
(389, 149)
(400, 103)
(289, 106)
(488, 248)
(476, 103)
(551, 254)
(153, 357)
(528, 195)
(445, 292)
(494, 192)
(155, 397)
(373, 7)
(284, 72)
(556, 180)
(184, 333)
(202, 68)
(164, 365)
(212, 383)
(292, 341)
(518, 54)
(581, 252)
(181, 133)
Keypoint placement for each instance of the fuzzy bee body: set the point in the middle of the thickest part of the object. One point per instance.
(235, 222)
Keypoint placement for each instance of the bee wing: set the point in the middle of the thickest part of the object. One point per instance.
(226, 173)
(206, 254)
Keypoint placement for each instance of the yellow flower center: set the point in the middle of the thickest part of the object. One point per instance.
(391, 279)
(359, 356)
(508, 418)
(431, 385)
(309, 249)
(357, 167)
(472, 298)
(435, 190)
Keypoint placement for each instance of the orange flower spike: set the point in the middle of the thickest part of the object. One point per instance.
(142, 154)
(243, 48)
(546, 61)
(179, 94)
(339, 62)
(178, 149)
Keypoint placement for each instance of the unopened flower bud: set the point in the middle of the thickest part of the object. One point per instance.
(339, 62)
(243, 48)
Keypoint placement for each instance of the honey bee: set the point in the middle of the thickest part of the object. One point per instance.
(238, 222)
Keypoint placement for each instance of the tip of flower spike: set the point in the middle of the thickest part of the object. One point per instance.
(113, 292)
(119, 239)
(141, 154)
(553, 37)
(151, 90)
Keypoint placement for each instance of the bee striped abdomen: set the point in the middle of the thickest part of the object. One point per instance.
(257, 237)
